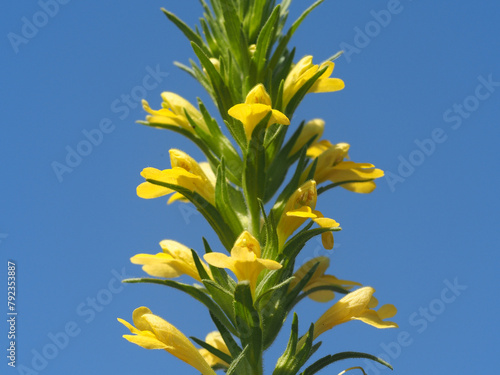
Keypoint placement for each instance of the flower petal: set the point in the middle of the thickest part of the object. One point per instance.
(148, 190)
(145, 341)
(218, 260)
(304, 211)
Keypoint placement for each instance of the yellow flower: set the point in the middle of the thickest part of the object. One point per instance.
(152, 332)
(175, 260)
(320, 279)
(173, 112)
(245, 260)
(313, 128)
(357, 305)
(215, 339)
(209, 174)
(252, 48)
(185, 172)
(257, 105)
(332, 166)
(300, 207)
(303, 71)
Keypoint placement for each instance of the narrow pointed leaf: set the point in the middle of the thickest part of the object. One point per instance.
(193, 292)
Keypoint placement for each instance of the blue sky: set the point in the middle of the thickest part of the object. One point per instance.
(421, 102)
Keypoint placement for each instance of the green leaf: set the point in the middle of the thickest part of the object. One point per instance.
(186, 30)
(329, 359)
(299, 95)
(186, 69)
(294, 292)
(292, 186)
(248, 323)
(207, 210)
(240, 364)
(235, 34)
(254, 173)
(222, 296)
(199, 266)
(193, 292)
(223, 146)
(231, 344)
(219, 274)
(211, 41)
(292, 360)
(283, 366)
(280, 165)
(261, 291)
(335, 57)
(312, 171)
(280, 304)
(297, 242)
(271, 236)
(284, 41)
(177, 129)
(277, 77)
(264, 43)
(213, 350)
(223, 202)
(221, 92)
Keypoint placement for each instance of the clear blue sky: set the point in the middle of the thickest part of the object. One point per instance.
(421, 102)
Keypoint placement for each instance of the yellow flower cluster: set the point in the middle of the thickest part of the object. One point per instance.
(258, 190)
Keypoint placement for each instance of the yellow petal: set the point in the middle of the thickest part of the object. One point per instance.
(215, 339)
(327, 240)
(324, 263)
(137, 317)
(303, 71)
(322, 296)
(304, 211)
(278, 118)
(270, 264)
(147, 342)
(352, 368)
(360, 187)
(387, 311)
(176, 343)
(372, 318)
(177, 197)
(318, 148)
(305, 196)
(129, 326)
(352, 305)
(325, 222)
(251, 114)
(218, 260)
(179, 106)
(258, 94)
(327, 85)
(246, 239)
(148, 190)
(182, 160)
(242, 254)
(313, 128)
